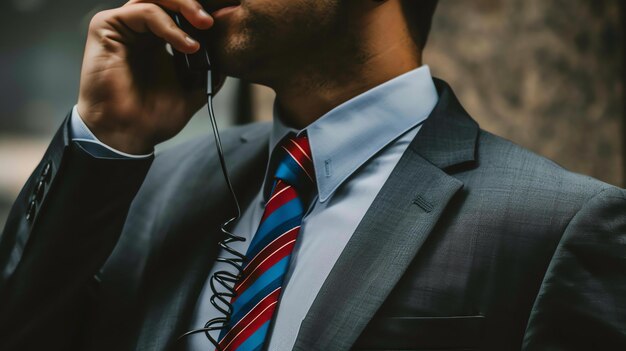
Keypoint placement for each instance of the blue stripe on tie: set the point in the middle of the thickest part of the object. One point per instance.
(290, 171)
(258, 245)
(256, 340)
(286, 213)
(281, 214)
(239, 314)
(269, 281)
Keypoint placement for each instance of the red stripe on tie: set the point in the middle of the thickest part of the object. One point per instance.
(254, 319)
(280, 186)
(300, 154)
(284, 238)
(272, 258)
(299, 158)
(291, 233)
(303, 142)
(281, 197)
(301, 148)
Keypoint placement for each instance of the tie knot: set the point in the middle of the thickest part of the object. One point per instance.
(296, 163)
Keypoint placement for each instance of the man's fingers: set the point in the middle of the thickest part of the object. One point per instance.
(190, 9)
(143, 18)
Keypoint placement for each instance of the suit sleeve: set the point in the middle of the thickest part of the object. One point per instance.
(581, 304)
(61, 229)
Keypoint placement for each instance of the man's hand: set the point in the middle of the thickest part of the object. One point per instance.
(130, 96)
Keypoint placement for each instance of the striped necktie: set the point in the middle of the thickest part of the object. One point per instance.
(267, 258)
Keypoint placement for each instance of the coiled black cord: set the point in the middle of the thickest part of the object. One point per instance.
(226, 280)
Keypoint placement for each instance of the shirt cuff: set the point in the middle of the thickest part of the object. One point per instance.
(80, 133)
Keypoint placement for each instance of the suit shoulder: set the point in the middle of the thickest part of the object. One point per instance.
(228, 137)
(535, 172)
(197, 153)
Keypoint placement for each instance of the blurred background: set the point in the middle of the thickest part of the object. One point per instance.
(547, 74)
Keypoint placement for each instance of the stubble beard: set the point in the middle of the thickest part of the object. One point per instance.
(264, 46)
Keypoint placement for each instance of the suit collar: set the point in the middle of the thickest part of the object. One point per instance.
(449, 135)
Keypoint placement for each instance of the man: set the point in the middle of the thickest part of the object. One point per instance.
(400, 224)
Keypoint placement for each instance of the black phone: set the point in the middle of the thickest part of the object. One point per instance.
(198, 61)
(192, 69)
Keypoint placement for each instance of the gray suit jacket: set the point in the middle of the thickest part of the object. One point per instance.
(472, 243)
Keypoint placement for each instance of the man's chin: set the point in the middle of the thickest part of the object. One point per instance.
(237, 61)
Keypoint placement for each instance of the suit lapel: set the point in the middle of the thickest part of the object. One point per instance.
(393, 230)
(191, 243)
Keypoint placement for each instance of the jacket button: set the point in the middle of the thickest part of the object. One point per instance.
(32, 208)
(46, 173)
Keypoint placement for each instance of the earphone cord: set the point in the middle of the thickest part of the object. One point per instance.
(226, 280)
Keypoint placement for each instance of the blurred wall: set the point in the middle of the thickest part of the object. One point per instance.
(546, 74)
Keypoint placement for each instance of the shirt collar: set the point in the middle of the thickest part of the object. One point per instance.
(349, 135)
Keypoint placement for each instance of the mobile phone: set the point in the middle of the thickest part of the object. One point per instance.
(192, 69)
(198, 61)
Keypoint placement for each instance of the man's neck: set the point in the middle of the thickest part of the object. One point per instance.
(310, 92)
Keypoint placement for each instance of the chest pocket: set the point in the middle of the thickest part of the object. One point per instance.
(422, 333)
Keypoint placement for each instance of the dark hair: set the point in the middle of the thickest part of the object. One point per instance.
(419, 15)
